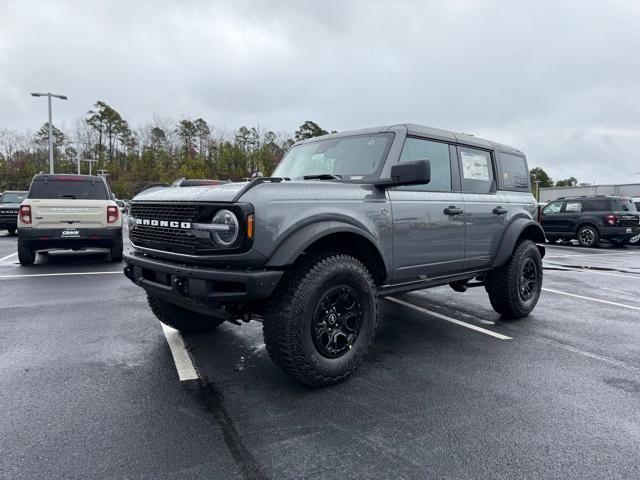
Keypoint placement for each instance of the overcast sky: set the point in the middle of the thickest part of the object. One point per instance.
(559, 80)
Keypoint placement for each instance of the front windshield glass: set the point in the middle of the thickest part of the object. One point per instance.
(12, 197)
(356, 157)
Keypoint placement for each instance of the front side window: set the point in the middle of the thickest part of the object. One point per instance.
(476, 169)
(513, 172)
(553, 207)
(438, 155)
(356, 157)
(573, 207)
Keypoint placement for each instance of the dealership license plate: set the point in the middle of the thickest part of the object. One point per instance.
(628, 230)
(70, 233)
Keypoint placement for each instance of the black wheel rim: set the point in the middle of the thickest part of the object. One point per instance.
(587, 236)
(528, 279)
(336, 321)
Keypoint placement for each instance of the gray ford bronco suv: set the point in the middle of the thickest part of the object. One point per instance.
(345, 219)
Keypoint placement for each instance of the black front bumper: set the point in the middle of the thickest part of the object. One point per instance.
(177, 283)
(44, 238)
(8, 223)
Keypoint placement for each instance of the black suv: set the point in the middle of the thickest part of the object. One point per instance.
(9, 204)
(591, 219)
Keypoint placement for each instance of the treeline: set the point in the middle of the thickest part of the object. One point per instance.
(158, 152)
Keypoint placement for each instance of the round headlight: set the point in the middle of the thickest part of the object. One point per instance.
(227, 229)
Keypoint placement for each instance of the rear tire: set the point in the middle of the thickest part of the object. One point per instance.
(321, 320)
(181, 319)
(588, 236)
(26, 255)
(116, 251)
(514, 288)
(619, 243)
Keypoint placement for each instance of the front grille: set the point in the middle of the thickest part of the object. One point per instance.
(161, 237)
(8, 212)
(164, 211)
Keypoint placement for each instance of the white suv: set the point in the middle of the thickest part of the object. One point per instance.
(68, 211)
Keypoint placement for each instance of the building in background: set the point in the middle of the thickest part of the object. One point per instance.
(626, 190)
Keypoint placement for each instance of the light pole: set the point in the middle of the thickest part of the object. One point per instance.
(49, 95)
(91, 162)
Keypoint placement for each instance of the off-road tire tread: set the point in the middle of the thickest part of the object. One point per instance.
(116, 251)
(26, 255)
(596, 238)
(181, 319)
(502, 283)
(283, 340)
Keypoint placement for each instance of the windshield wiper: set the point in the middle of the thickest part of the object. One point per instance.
(322, 176)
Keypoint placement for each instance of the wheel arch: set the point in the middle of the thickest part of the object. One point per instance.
(518, 230)
(586, 223)
(332, 236)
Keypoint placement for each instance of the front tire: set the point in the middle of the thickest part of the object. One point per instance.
(588, 236)
(183, 320)
(514, 288)
(635, 240)
(321, 320)
(26, 255)
(12, 230)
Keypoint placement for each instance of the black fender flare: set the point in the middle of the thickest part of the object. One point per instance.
(291, 247)
(512, 234)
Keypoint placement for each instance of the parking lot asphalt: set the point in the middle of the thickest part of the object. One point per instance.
(449, 390)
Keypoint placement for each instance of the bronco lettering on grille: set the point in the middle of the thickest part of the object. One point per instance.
(163, 223)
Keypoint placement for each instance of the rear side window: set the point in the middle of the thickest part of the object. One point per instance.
(573, 207)
(438, 155)
(477, 170)
(622, 205)
(513, 173)
(68, 188)
(596, 205)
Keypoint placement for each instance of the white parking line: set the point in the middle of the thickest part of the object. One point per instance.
(59, 274)
(449, 319)
(8, 256)
(184, 365)
(592, 299)
(592, 255)
(589, 270)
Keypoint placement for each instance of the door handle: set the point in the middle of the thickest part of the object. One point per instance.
(499, 211)
(452, 210)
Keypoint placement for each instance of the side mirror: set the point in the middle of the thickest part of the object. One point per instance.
(414, 172)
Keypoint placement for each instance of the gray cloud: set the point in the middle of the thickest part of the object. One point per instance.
(559, 80)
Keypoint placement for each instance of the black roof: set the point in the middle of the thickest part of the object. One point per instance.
(430, 132)
(583, 197)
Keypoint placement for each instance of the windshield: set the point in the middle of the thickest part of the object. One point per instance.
(354, 157)
(13, 197)
(622, 205)
(69, 188)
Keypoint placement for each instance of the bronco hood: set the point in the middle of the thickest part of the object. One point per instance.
(218, 193)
